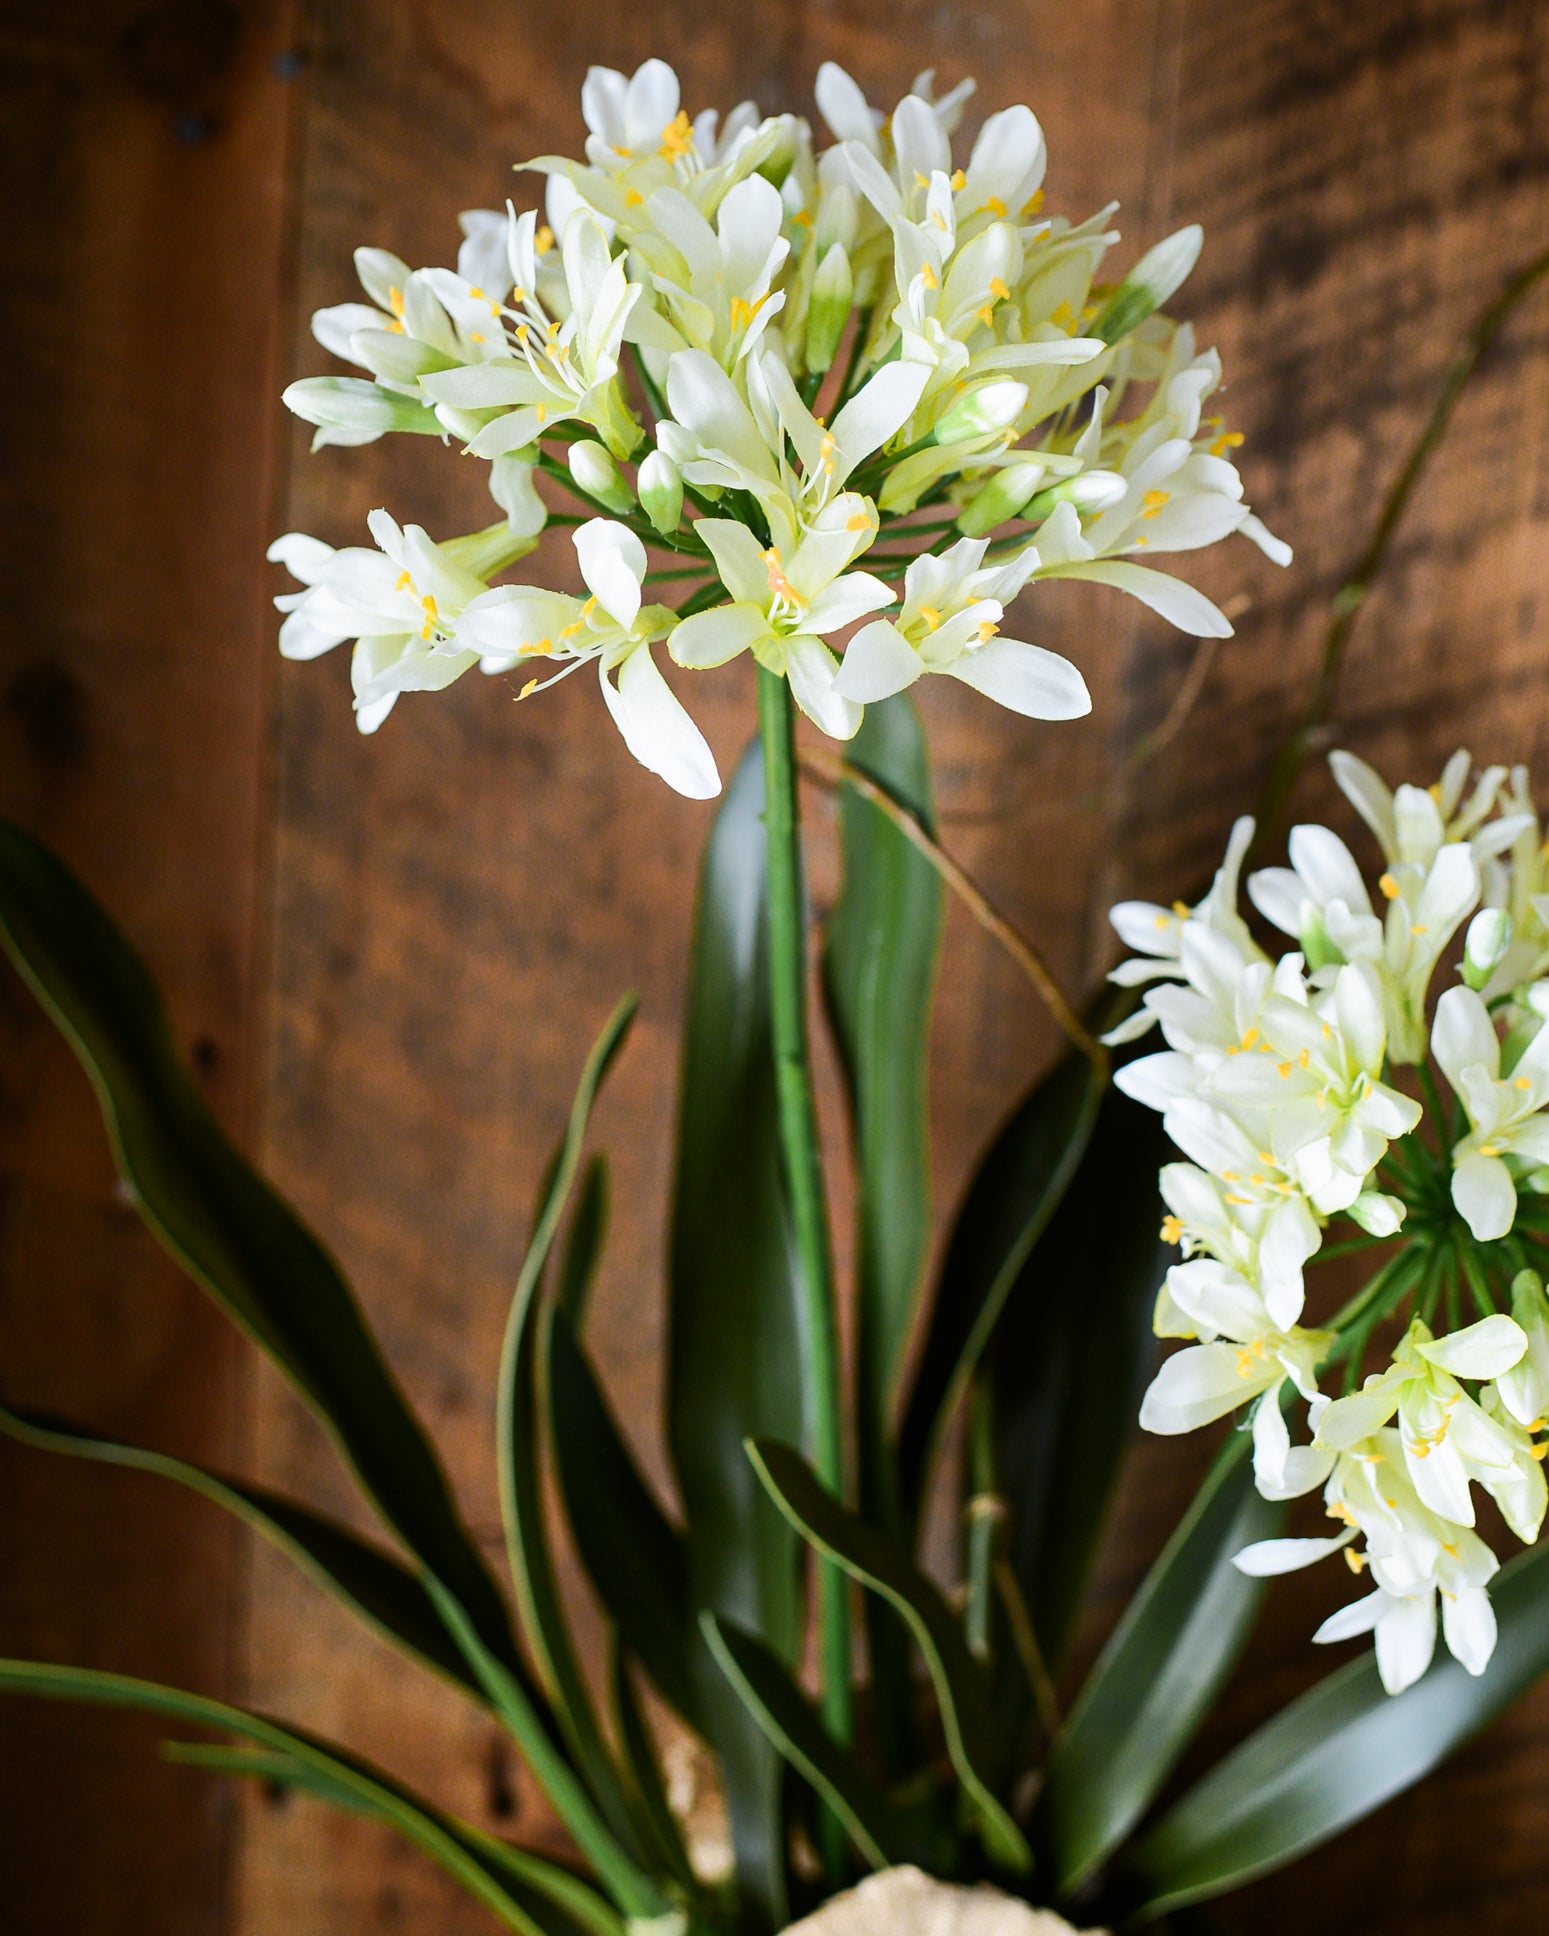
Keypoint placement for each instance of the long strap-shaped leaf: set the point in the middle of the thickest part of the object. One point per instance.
(884, 1834)
(878, 1562)
(518, 1407)
(472, 1858)
(226, 1226)
(635, 1556)
(734, 1346)
(1339, 1752)
(369, 1581)
(1158, 1676)
(1013, 1195)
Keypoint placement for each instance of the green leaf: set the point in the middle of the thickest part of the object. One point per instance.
(1014, 1193)
(635, 1557)
(880, 1563)
(520, 1406)
(371, 1582)
(1158, 1676)
(879, 973)
(734, 1349)
(1070, 1360)
(464, 1852)
(645, 1772)
(225, 1225)
(879, 967)
(884, 1834)
(1340, 1751)
(583, 1243)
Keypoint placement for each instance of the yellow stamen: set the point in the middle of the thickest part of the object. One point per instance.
(1285, 1070)
(1033, 203)
(1228, 441)
(1390, 887)
(395, 329)
(677, 137)
(474, 336)
(1153, 502)
(543, 241)
(402, 582)
(632, 198)
(931, 616)
(779, 584)
(1172, 1230)
(857, 521)
(531, 686)
(929, 277)
(998, 289)
(395, 300)
(996, 207)
(959, 179)
(987, 630)
(539, 649)
(1354, 1560)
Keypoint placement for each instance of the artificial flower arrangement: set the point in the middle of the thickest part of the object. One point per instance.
(855, 400)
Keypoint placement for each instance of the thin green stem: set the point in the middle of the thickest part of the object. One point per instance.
(1300, 742)
(803, 1165)
(1478, 1283)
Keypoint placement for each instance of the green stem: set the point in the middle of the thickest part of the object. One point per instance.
(804, 1167)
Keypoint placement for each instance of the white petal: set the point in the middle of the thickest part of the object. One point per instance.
(1168, 597)
(811, 669)
(1468, 1621)
(1482, 1350)
(656, 728)
(845, 600)
(1268, 1557)
(711, 638)
(739, 558)
(1463, 1036)
(1406, 1639)
(1357, 1618)
(1485, 1195)
(305, 558)
(1025, 679)
(877, 662)
(613, 564)
(878, 409)
(1201, 1383)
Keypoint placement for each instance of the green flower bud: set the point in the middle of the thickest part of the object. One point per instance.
(1318, 951)
(660, 484)
(349, 410)
(1091, 492)
(833, 289)
(1003, 497)
(597, 474)
(1489, 936)
(1155, 277)
(980, 412)
(1380, 1215)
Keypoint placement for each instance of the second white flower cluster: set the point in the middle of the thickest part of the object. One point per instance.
(1323, 1084)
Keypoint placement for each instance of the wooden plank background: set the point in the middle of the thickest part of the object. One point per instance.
(387, 956)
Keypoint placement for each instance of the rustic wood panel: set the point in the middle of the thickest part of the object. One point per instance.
(457, 903)
(145, 148)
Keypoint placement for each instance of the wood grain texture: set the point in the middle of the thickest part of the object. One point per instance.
(145, 151)
(454, 906)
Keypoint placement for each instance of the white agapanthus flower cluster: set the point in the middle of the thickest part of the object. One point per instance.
(1325, 1084)
(823, 385)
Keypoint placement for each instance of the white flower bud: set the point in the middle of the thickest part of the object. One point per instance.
(597, 474)
(1484, 949)
(991, 407)
(1377, 1214)
(1003, 497)
(1155, 277)
(838, 219)
(1091, 492)
(1318, 950)
(660, 484)
(359, 410)
(833, 290)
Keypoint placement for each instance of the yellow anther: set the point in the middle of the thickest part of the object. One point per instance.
(1390, 887)
(677, 137)
(987, 630)
(403, 581)
(1229, 1176)
(1033, 203)
(1172, 1230)
(1489, 1149)
(802, 219)
(1340, 1511)
(1354, 1560)
(857, 521)
(1181, 909)
(395, 300)
(569, 631)
(986, 314)
(1417, 927)
(1539, 1451)
(589, 607)
(1285, 1070)
(1434, 790)
(1248, 1356)
(542, 411)
(475, 291)
(996, 207)
(929, 277)
(1063, 316)
(1304, 1056)
(1164, 921)
(998, 289)
(1522, 1083)
(543, 241)
(1266, 1156)
(779, 584)
(1256, 1180)
(921, 181)
(531, 686)
(632, 198)
(959, 179)
(538, 649)
(1229, 440)
(475, 336)
(428, 606)
(931, 616)
(395, 329)
(1249, 1037)
(1153, 502)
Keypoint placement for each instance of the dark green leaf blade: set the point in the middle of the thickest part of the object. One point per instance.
(1334, 1755)
(1158, 1676)
(370, 1581)
(460, 1849)
(1072, 1352)
(1014, 1193)
(879, 968)
(227, 1227)
(880, 1563)
(733, 1324)
(635, 1557)
(884, 1834)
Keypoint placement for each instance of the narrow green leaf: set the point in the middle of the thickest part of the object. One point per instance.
(885, 1835)
(878, 1562)
(734, 1347)
(646, 1776)
(879, 967)
(1072, 1353)
(520, 1406)
(1158, 1676)
(583, 1243)
(225, 1225)
(879, 972)
(1340, 1751)
(450, 1843)
(1014, 1193)
(368, 1580)
(635, 1557)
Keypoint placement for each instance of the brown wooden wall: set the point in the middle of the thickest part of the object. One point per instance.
(387, 956)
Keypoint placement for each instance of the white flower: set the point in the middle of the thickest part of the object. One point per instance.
(401, 603)
(1505, 1110)
(950, 622)
(782, 606)
(713, 283)
(515, 625)
(1243, 1353)
(906, 1902)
